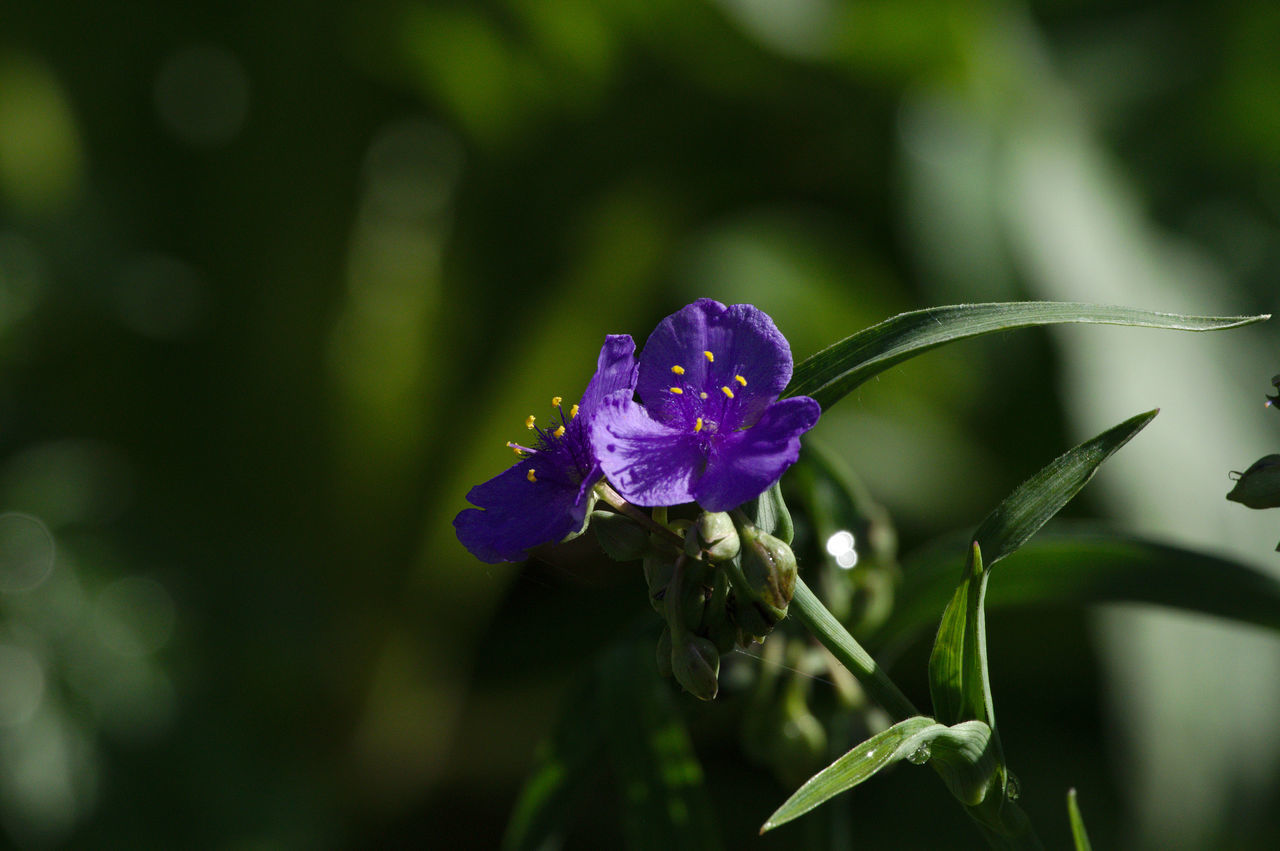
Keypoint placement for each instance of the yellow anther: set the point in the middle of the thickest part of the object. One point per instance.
(556, 400)
(727, 392)
(698, 425)
(530, 475)
(710, 357)
(678, 369)
(678, 391)
(529, 421)
(559, 432)
(519, 450)
(573, 412)
(702, 395)
(740, 380)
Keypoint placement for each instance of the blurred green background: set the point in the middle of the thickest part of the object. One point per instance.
(277, 281)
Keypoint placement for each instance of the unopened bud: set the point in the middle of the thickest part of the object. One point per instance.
(657, 573)
(717, 539)
(769, 567)
(1258, 486)
(695, 663)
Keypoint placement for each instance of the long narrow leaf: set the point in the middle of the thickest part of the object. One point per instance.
(1076, 565)
(836, 370)
(1078, 835)
(859, 764)
(1036, 500)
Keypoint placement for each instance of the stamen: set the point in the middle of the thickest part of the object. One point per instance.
(740, 380)
(710, 357)
(727, 392)
(529, 421)
(702, 395)
(530, 475)
(678, 391)
(558, 432)
(678, 369)
(573, 412)
(556, 400)
(519, 450)
(698, 425)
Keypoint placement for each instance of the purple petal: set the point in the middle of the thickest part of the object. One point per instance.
(747, 462)
(648, 462)
(615, 371)
(519, 514)
(744, 342)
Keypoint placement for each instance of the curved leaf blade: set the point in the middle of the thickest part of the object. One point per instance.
(832, 373)
(859, 764)
(1077, 565)
(1035, 501)
(961, 755)
(1079, 837)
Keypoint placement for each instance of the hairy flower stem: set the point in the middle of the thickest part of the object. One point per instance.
(815, 617)
(614, 499)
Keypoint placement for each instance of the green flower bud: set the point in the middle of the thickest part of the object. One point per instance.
(658, 570)
(621, 538)
(717, 538)
(1258, 486)
(695, 663)
(769, 568)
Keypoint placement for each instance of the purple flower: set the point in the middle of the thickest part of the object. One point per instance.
(711, 430)
(546, 496)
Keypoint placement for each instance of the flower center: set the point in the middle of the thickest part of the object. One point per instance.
(705, 408)
(559, 446)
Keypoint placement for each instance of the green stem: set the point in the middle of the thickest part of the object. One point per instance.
(614, 499)
(808, 609)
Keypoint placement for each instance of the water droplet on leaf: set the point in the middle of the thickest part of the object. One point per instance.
(920, 755)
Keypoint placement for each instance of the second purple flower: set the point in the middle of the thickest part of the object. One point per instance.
(711, 429)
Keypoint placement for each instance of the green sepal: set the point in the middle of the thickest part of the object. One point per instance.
(621, 538)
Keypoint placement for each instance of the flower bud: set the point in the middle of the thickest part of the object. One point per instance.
(695, 663)
(717, 538)
(621, 538)
(769, 567)
(658, 571)
(1259, 486)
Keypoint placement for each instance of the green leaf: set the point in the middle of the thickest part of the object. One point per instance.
(961, 754)
(621, 716)
(958, 683)
(1078, 834)
(1074, 565)
(862, 762)
(833, 372)
(1036, 500)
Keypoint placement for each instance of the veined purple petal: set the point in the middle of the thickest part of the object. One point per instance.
(615, 370)
(748, 366)
(745, 463)
(519, 514)
(648, 462)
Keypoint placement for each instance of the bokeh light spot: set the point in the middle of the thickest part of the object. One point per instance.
(841, 547)
(26, 552)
